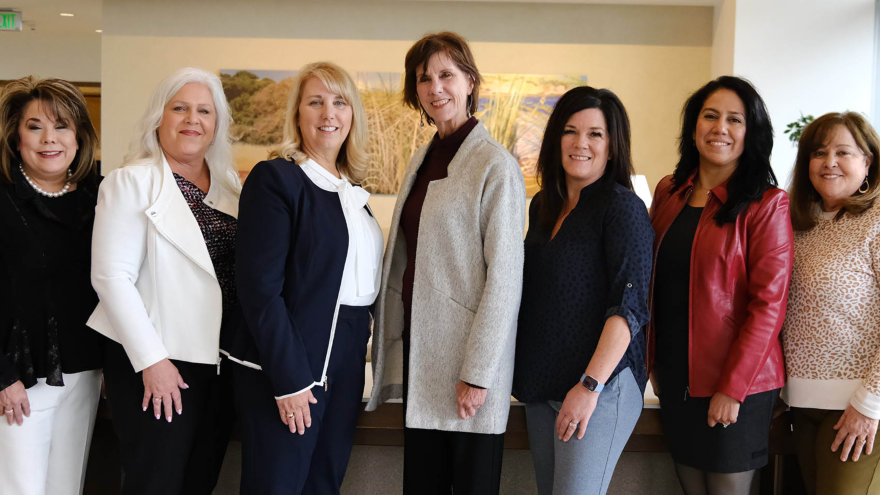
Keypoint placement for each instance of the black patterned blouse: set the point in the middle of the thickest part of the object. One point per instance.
(218, 229)
(598, 265)
(45, 293)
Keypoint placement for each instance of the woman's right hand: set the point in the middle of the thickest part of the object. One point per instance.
(723, 410)
(294, 411)
(162, 384)
(14, 401)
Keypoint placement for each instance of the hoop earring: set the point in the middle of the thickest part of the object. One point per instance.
(864, 186)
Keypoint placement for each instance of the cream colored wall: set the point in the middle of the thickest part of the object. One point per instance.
(806, 56)
(724, 37)
(75, 57)
(652, 81)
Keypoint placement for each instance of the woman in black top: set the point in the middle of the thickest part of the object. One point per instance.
(49, 359)
(580, 347)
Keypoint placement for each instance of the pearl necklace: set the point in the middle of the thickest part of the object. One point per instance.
(64, 190)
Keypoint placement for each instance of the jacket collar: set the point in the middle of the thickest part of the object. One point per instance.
(478, 132)
(219, 196)
(174, 221)
(719, 191)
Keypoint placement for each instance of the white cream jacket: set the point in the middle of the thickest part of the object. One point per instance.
(159, 295)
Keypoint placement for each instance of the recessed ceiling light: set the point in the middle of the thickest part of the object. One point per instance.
(66, 14)
(99, 30)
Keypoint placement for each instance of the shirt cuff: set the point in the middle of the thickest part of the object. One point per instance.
(626, 314)
(866, 403)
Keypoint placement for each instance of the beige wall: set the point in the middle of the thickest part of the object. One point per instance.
(75, 57)
(652, 81)
(651, 56)
(806, 56)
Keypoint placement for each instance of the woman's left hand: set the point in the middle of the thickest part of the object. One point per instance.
(575, 413)
(469, 399)
(723, 410)
(855, 431)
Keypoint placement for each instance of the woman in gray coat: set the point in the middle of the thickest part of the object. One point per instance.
(452, 279)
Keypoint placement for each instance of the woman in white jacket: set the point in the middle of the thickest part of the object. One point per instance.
(163, 268)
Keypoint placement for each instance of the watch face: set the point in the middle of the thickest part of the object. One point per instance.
(590, 382)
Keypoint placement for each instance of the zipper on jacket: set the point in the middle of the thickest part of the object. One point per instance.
(687, 389)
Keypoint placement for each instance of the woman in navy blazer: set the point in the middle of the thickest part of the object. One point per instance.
(309, 253)
(162, 265)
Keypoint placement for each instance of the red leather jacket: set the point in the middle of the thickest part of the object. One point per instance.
(739, 279)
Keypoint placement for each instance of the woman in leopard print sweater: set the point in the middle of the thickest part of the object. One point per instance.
(831, 335)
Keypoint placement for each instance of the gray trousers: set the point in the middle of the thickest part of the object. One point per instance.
(585, 466)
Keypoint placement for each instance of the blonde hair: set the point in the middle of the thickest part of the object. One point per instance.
(145, 144)
(804, 197)
(353, 159)
(63, 102)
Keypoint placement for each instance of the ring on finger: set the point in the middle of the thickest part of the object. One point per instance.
(725, 425)
(9, 411)
(289, 415)
(572, 424)
(157, 399)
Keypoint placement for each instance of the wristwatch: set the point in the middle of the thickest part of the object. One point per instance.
(591, 383)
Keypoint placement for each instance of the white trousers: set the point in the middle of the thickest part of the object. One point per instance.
(48, 453)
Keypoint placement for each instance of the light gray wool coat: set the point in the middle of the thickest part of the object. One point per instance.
(466, 293)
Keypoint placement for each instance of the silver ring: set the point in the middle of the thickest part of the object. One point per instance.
(725, 425)
(572, 424)
(9, 411)
(157, 399)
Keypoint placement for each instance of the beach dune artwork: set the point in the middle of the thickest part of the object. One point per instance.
(513, 107)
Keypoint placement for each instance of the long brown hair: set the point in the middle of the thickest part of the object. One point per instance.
(551, 175)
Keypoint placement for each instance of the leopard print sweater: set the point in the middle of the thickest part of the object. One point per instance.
(831, 335)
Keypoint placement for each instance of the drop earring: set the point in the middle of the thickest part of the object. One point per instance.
(864, 186)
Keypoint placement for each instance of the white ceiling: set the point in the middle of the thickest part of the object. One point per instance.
(43, 15)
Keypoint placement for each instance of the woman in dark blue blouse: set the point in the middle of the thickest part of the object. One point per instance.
(580, 346)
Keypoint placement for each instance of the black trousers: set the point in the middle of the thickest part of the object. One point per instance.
(276, 461)
(443, 462)
(439, 462)
(184, 456)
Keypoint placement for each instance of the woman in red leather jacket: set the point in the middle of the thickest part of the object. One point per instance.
(722, 262)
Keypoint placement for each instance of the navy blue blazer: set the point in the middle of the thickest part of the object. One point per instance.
(291, 248)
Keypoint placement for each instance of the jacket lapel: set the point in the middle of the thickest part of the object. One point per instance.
(175, 222)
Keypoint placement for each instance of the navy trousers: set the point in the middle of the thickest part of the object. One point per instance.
(275, 461)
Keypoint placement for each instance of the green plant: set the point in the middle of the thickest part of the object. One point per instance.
(795, 128)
